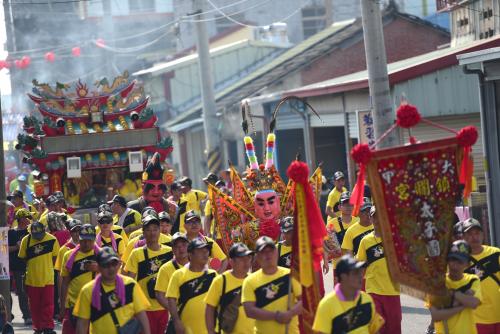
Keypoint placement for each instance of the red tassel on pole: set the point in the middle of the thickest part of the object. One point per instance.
(357, 194)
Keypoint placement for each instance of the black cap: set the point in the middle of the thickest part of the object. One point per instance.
(104, 207)
(373, 211)
(367, 204)
(74, 224)
(87, 232)
(105, 255)
(15, 194)
(239, 250)
(211, 178)
(460, 250)
(105, 217)
(345, 197)
(37, 230)
(51, 200)
(191, 216)
(175, 186)
(338, 175)
(185, 181)
(458, 229)
(347, 264)
(471, 223)
(264, 242)
(59, 196)
(120, 200)
(164, 216)
(198, 243)
(286, 224)
(148, 211)
(220, 184)
(179, 236)
(151, 219)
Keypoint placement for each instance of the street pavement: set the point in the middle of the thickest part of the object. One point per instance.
(415, 317)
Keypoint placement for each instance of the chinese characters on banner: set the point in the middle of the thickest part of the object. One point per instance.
(415, 189)
(4, 254)
(365, 127)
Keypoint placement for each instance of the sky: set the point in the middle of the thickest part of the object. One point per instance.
(4, 74)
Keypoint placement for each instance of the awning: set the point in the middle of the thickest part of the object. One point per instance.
(185, 125)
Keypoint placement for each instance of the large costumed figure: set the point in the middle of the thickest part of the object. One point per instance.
(154, 188)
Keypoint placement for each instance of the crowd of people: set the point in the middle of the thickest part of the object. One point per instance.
(144, 269)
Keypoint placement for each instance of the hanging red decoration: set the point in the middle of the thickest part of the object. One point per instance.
(100, 43)
(467, 136)
(407, 116)
(76, 51)
(19, 64)
(361, 154)
(26, 61)
(4, 64)
(50, 57)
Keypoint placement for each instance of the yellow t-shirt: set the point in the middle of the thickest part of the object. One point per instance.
(270, 292)
(120, 244)
(462, 322)
(164, 239)
(101, 320)
(353, 236)
(378, 279)
(135, 234)
(217, 252)
(145, 270)
(340, 226)
(284, 255)
(39, 256)
(60, 255)
(116, 229)
(333, 200)
(34, 214)
(182, 205)
(165, 274)
(488, 264)
(208, 213)
(78, 275)
(190, 289)
(218, 296)
(194, 198)
(332, 314)
(133, 218)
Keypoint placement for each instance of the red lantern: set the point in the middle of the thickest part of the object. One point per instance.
(19, 64)
(100, 43)
(50, 57)
(4, 64)
(26, 61)
(76, 51)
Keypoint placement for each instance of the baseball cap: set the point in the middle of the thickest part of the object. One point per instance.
(347, 264)
(151, 219)
(87, 232)
(198, 243)
(118, 199)
(37, 230)
(105, 217)
(345, 197)
(164, 216)
(59, 196)
(210, 178)
(471, 223)
(460, 250)
(264, 242)
(148, 211)
(175, 186)
(15, 194)
(74, 224)
(105, 255)
(367, 204)
(220, 184)
(191, 217)
(373, 211)
(185, 181)
(23, 213)
(286, 224)
(179, 236)
(338, 175)
(104, 207)
(239, 250)
(51, 200)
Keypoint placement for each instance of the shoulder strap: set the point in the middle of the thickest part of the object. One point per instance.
(145, 250)
(342, 229)
(279, 248)
(491, 275)
(196, 193)
(175, 264)
(112, 313)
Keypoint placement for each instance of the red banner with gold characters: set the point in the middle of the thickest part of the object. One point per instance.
(415, 189)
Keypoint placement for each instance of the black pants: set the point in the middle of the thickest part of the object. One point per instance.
(19, 277)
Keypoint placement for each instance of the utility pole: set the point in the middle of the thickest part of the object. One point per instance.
(378, 79)
(210, 123)
(109, 55)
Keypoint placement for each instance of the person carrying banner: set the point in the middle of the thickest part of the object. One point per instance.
(485, 263)
(357, 231)
(143, 265)
(265, 293)
(347, 309)
(285, 245)
(39, 249)
(224, 296)
(187, 290)
(111, 301)
(78, 267)
(457, 317)
(379, 284)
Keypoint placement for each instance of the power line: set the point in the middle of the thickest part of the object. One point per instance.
(48, 3)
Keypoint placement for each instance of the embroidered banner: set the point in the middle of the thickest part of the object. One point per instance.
(415, 189)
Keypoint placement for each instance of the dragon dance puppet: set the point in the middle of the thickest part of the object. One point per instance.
(259, 200)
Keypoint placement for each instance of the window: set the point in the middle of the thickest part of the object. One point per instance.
(141, 6)
(313, 19)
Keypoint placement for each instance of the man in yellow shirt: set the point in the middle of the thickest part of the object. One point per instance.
(194, 197)
(379, 284)
(180, 200)
(224, 295)
(357, 231)
(265, 293)
(332, 209)
(458, 316)
(17, 199)
(193, 231)
(187, 290)
(347, 309)
(111, 300)
(40, 249)
(485, 263)
(106, 237)
(77, 269)
(179, 248)
(143, 265)
(127, 218)
(285, 245)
